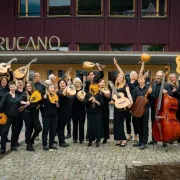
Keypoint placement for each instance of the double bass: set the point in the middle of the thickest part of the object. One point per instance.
(166, 128)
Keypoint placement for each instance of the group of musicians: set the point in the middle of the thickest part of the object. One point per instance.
(14, 93)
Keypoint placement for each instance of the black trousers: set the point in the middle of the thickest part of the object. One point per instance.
(49, 126)
(105, 121)
(128, 124)
(32, 123)
(60, 130)
(5, 129)
(152, 119)
(69, 127)
(143, 128)
(19, 125)
(78, 123)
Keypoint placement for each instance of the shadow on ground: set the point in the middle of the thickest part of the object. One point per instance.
(154, 172)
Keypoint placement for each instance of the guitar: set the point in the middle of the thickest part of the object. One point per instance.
(89, 65)
(21, 72)
(120, 100)
(137, 109)
(81, 94)
(178, 64)
(4, 67)
(3, 119)
(35, 97)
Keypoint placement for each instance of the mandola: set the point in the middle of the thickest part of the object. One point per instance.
(89, 65)
(35, 97)
(21, 72)
(93, 89)
(105, 90)
(53, 97)
(3, 119)
(178, 64)
(120, 100)
(81, 94)
(4, 67)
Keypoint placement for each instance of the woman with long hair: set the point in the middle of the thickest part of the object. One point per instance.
(105, 110)
(31, 116)
(121, 114)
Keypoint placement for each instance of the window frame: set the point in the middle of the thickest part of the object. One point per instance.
(60, 15)
(134, 10)
(123, 45)
(102, 5)
(27, 5)
(153, 45)
(157, 10)
(87, 44)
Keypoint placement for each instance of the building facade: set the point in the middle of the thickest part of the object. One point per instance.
(94, 30)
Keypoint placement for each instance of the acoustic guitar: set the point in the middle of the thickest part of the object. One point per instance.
(89, 65)
(35, 97)
(120, 100)
(4, 67)
(3, 119)
(21, 72)
(137, 109)
(81, 94)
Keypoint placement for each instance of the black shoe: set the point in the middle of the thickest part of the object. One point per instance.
(137, 144)
(53, 147)
(55, 142)
(17, 144)
(13, 148)
(75, 141)
(64, 144)
(123, 144)
(97, 143)
(152, 142)
(45, 148)
(104, 141)
(142, 147)
(90, 143)
(30, 148)
(81, 142)
(8, 140)
(68, 136)
(2, 151)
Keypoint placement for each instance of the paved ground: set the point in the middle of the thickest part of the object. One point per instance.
(81, 162)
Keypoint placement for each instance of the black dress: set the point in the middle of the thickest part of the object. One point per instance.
(78, 116)
(119, 118)
(94, 117)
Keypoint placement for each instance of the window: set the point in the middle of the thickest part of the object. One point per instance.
(154, 8)
(88, 47)
(59, 7)
(29, 8)
(61, 73)
(31, 75)
(49, 72)
(89, 7)
(121, 7)
(63, 47)
(121, 47)
(155, 48)
(112, 76)
(81, 73)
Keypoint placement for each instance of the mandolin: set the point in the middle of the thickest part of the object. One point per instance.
(4, 67)
(93, 90)
(105, 91)
(89, 65)
(21, 72)
(120, 100)
(81, 94)
(35, 97)
(3, 119)
(70, 91)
